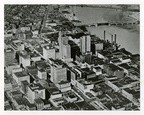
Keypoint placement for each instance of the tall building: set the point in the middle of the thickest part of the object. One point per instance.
(85, 44)
(49, 52)
(58, 72)
(9, 56)
(66, 51)
(23, 58)
(35, 91)
(64, 47)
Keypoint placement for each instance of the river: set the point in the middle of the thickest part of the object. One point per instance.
(128, 39)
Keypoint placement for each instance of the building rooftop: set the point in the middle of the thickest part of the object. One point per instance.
(32, 70)
(63, 82)
(84, 106)
(21, 74)
(135, 93)
(34, 55)
(82, 81)
(48, 47)
(125, 66)
(42, 70)
(39, 101)
(87, 71)
(7, 107)
(54, 90)
(23, 54)
(117, 53)
(58, 62)
(125, 57)
(27, 103)
(98, 68)
(70, 106)
(16, 93)
(45, 101)
(37, 86)
(110, 76)
(105, 53)
(9, 50)
(104, 87)
(7, 81)
(25, 83)
(42, 65)
(116, 61)
(114, 67)
(126, 81)
(19, 101)
(117, 84)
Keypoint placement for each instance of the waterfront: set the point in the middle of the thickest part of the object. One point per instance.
(127, 38)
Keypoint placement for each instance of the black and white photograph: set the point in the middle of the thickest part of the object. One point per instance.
(72, 57)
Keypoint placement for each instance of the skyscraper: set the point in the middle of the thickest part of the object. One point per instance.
(9, 56)
(58, 72)
(64, 47)
(85, 44)
(66, 51)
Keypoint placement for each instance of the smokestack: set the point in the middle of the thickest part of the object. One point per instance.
(111, 38)
(104, 34)
(115, 38)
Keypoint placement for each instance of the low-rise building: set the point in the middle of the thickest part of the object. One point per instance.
(97, 70)
(84, 106)
(7, 85)
(11, 67)
(113, 70)
(9, 56)
(70, 96)
(21, 76)
(70, 106)
(64, 86)
(84, 86)
(54, 92)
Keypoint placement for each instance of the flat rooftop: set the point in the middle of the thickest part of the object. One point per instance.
(21, 74)
(48, 47)
(54, 90)
(88, 71)
(114, 67)
(37, 86)
(70, 106)
(125, 66)
(9, 50)
(85, 106)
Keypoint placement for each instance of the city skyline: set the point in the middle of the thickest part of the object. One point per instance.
(60, 57)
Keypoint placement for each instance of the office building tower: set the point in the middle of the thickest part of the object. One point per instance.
(58, 72)
(85, 44)
(66, 51)
(49, 52)
(35, 91)
(23, 58)
(64, 48)
(9, 56)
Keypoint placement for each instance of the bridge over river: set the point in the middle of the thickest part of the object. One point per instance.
(105, 23)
